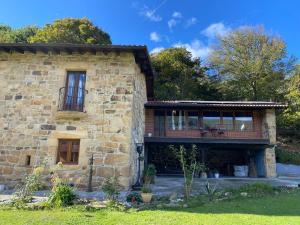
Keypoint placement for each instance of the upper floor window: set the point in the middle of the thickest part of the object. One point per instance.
(74, 91)
(192, 119)
(228, 120)
(211, 119)
(175, 119)
(243, 121)
(68, 151)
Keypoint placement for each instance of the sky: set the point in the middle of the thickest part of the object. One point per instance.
(160, 24)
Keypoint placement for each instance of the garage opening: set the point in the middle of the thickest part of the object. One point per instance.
(225, 160)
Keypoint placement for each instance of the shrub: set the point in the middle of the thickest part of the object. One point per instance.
(62, 195)
(210, 191)
(110, 188)
(32, 183)
(149, 174)
(134, 197)
(146, 188)
(287, 157)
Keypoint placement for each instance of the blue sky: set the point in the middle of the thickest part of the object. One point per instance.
(165, 23)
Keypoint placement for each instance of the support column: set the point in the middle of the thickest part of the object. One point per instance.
(270, 162)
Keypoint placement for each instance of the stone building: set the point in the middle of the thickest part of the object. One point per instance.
(67, 102)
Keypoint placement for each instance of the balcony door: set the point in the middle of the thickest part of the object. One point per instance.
(75, 91)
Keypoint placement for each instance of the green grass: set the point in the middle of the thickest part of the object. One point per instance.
(281, 209)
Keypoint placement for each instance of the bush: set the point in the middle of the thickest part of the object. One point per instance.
(149, 174)
(62, 195)
(134, 197)
(287, 157)
(146, 188)
(32, 183)
(110, 188)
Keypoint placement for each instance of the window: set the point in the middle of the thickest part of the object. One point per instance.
(192, 120)
(68, 151)
(175, 120)
(228, 120)
(75, 91)
(159, 123)
(211, 120)
(243, 121)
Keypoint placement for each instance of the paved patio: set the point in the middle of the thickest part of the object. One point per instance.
(169, 185)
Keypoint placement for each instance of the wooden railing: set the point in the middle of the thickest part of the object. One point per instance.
(215, 131)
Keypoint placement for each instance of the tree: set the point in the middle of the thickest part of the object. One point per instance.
(71, 30)
(252, 65)
(179, 76)
(23, 34)
(290, 118)
(19, 35)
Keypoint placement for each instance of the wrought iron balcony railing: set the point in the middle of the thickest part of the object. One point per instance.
(71, 99)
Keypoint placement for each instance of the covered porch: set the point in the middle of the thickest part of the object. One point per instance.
(220, 156)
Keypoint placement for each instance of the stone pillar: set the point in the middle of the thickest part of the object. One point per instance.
(269, 132)
(270, 162)
(269, 125)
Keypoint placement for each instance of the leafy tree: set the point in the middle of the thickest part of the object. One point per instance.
(251, 64)
(179, 76)
(5, 34)
(71, 30)
(19, 35)
(290, 118)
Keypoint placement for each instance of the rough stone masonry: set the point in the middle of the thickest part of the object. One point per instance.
(31, 125)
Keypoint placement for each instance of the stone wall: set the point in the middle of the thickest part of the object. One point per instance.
(269, 131)
(31, 125)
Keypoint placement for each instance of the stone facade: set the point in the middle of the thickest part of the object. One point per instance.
(269, 127)
(31, 125)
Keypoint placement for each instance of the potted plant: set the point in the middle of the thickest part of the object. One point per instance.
(146, 193)
(203, 171)
(149, 174)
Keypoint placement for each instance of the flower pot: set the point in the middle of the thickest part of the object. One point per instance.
(203, 175)
(217, 175)
(146, 197)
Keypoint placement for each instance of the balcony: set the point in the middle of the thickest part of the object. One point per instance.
(202, 127)
(71, 103)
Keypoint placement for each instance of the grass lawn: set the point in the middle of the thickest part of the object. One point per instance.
(282, 209)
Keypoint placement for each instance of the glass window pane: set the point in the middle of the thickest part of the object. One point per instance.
(243, 121)
(81, 89)
(228, 120)
(211, 120)
(193, 120)
(175, 120)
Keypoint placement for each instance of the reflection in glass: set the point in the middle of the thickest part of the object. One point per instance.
(175, 120)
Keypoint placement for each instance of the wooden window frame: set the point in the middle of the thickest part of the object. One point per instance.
(69, 151)
(74, 104)
(187, 119)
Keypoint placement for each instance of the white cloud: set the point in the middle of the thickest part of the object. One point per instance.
(177, 15)
(172, 23)
(216, 29)
(155, 37)
(150, 14)
(190, 22)
(196, 47)
(157, 50)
